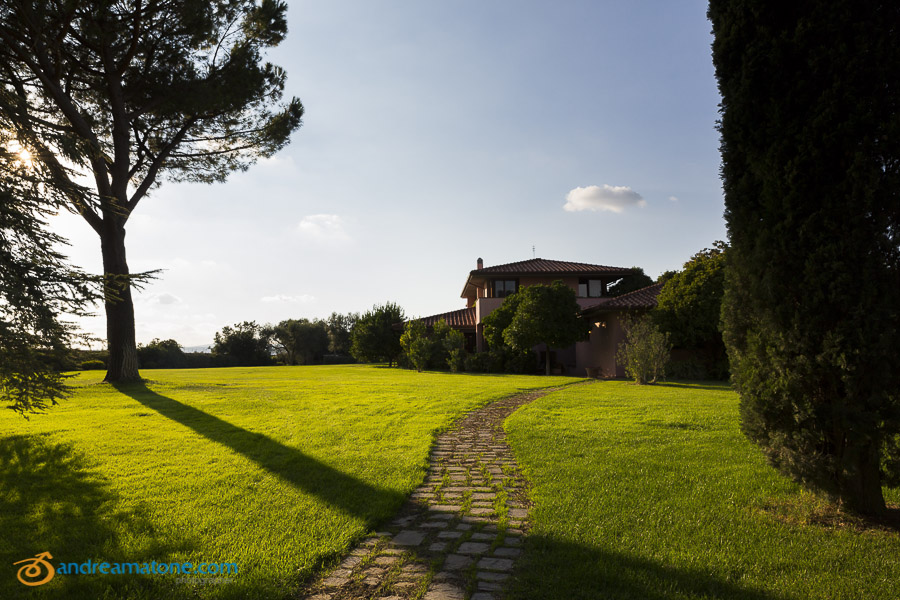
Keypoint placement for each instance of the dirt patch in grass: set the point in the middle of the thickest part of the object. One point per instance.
(806, 509)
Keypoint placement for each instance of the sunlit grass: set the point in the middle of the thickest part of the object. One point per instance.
(652, 492)
(277, 469)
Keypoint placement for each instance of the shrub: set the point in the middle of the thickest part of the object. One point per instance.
(454, 348)
(93, 365)
(480, 362)
(198, 360)
(688, 368)
(420, 352)
(457, 360)
(440, 347)
(519, 362)
(416, 344)
(161, 354)
(645, 351)
(338, 359)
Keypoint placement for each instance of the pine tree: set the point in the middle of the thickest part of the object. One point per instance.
(132, 92)
(810, 142)
(37, 286)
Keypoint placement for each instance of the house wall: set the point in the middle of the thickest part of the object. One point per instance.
(572, 282)
(484, 288)
(598, 352)
(483, 307)
(600, 349)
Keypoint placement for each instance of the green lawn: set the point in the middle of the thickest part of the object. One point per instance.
(651, 492)
(276, 469)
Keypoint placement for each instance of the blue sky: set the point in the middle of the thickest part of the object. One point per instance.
(436, 133)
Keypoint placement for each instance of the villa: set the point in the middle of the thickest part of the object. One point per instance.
(487, 287)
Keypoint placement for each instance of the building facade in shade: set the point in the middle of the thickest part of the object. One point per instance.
(486, 288)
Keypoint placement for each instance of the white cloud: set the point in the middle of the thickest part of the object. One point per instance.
(594, 197)
(285, 299)
(166, 298)
(323, 227)
(673, 198)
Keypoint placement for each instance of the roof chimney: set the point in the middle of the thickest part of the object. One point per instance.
(480, 264)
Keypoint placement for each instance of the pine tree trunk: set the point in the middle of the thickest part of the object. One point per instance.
(120, 336)
(859, 480)
(547, 360)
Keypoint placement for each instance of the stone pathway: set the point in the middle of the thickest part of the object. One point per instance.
(460, 533)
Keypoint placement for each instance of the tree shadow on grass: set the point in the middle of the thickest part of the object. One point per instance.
(342, 491)
(723, 386)
(51, 500)
(551, 569)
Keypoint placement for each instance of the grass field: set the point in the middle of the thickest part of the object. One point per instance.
(276, 469)
(651, 492)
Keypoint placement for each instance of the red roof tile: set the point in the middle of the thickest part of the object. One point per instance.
(457, 319)
(551, 267)
(642, 298)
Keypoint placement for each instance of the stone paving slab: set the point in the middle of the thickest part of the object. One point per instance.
(449, 537)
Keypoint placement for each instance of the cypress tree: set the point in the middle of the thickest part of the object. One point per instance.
(810, 142)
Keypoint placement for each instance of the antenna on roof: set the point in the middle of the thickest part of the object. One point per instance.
(532, 251)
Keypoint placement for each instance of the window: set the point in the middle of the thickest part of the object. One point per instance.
(590, 288)
(504, 287)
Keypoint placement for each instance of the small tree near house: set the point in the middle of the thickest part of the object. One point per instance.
(546, 314)
(416, 344)
(645, 351)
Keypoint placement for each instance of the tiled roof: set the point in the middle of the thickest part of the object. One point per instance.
(642, 298)
(458, 318)
(550, 267)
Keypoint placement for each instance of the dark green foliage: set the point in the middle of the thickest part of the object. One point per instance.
(687, 368)
(454, 347)
(500, 356)
(811, 171)
(244, 345)
(374, 338)
(517, 361)
(36, 286)
(890, 461)
(200, 360)
(499, 319)
(666, 276)
(501, 360)
(161, 354)
(456, 360)
(130, 93)
(690, 308)
(492, 361)
(81, 355)
(417, 344)
(299, 341)
(546, 314)
(637, 280)
(340, 328)
(645, 350)
(438, 347)
(93, 365)
(690, 303)
(447, 341)
(556, 303)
